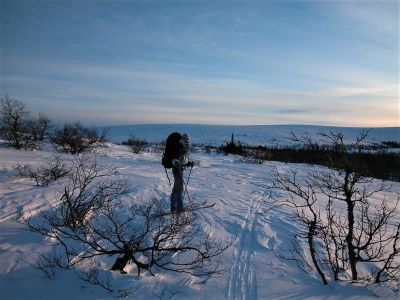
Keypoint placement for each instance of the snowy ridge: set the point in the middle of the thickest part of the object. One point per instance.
(272, 135)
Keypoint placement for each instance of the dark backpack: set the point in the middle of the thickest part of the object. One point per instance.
(172, 149)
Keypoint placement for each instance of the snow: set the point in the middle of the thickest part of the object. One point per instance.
(252, 270)
(270, 135)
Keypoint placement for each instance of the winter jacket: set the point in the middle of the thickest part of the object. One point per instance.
(183, 157)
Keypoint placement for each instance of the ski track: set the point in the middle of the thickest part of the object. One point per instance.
(240, 189)
(243, 278)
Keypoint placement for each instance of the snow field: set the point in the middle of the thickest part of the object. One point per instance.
(252, 270)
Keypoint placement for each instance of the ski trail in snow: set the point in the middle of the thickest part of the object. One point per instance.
(243, 281)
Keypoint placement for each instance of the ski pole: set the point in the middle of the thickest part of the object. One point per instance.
(167, 176)
(186, 184)
(187, 181)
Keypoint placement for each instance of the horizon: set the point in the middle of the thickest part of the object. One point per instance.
(235, 125)
(247, 63)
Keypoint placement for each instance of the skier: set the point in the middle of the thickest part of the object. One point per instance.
(176, 156)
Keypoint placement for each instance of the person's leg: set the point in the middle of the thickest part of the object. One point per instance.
(176, 196)
(180, 187)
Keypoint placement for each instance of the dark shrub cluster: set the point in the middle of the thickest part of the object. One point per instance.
(360, 158)
(45, 173)
(382, 165)
(137, 145)
(38, 127)
(233, 146)
(75, 138)
(391, 144)
(18, 128)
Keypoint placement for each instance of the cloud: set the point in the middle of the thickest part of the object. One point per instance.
(291, 111)
(379, 16)
(341, 94)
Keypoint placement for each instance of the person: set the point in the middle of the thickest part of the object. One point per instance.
(178, 166)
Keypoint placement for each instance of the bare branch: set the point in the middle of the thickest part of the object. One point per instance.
(92, 222)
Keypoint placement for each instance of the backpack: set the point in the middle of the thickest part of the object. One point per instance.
(172, 149)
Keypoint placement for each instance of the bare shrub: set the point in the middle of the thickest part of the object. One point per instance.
(45, 173)
(90, 189)
(13, 112)
(233, 146)
(93, 221)
(17, 127)
(366, 232)
(251, 160)
(391, 144)
(137, 145)
(38, 127)
(302, 201)
(347, 225)
(74, 138)
(158, 148)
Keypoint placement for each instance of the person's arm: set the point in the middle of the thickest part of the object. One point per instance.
(190, 164)
(177, 163)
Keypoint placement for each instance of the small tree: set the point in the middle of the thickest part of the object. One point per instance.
(12, 113)
(366, 233)
(35, 129)
(302, 201)
(40, 127)
(92, 221)
(233, 146)
(18, 128)
(74, 138)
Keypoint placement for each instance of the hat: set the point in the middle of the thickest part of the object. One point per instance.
(185, 140)
(185, 137)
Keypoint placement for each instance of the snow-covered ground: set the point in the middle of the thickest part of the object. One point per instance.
(252, 270)
(270, 135)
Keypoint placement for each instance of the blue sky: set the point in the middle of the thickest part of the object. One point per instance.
(206, 62)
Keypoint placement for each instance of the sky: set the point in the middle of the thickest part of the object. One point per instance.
(203, 62)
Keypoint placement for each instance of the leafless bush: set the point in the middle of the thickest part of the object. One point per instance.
(74, 138)
(336, 141)
(45, 173)
(368, 232)
(365, 233)
(91, 188)
(12, 113)
(137, 145)
(302, 199)
(17, 127)
(251, 160)
(158, 148)
(38, 127)
(93, 221)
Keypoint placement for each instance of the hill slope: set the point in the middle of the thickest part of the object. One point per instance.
(252, 270)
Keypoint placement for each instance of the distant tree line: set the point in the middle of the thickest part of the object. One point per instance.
(370, 160)
(137, 145)
(22, 131)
